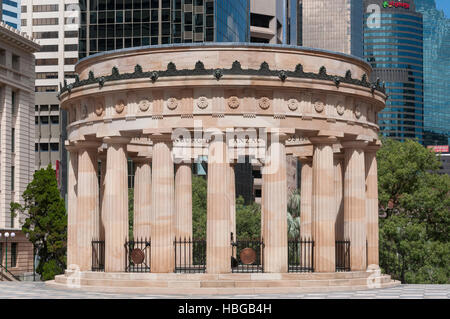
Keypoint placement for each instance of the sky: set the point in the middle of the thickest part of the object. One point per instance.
(444, 5)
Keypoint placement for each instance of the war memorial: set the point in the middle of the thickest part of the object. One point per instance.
(166, 106)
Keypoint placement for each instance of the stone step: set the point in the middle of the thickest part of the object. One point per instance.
(219, 291)
(217, 283)
(233, 276)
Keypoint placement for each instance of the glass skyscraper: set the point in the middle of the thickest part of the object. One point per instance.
(436, 64)
(115, 24)
(393, 45)
(332, 25)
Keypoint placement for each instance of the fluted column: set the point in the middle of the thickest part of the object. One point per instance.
(142, 199)
(305, 197)
(232, 198)
(218, 245)
(72, 254)
(339, 188)
(163, 205)
(354, 203)
(183, 201)
(102, 196)
(372, 206)
(274, 206)
(116, 204)
(88, 214)
(323, 204)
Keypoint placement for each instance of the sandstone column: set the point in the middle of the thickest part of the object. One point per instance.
(102, 196)
(354, 203)
(218, 239)
(274, 206)
(88, 215)
(339, 188)
(183, 213)
(372, 206)
(306, 197)
(142, 199)
(72, 254)
(116, 204)
(232, 199)
(163, 205)
(323, 204)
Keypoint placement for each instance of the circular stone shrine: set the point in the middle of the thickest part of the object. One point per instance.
(168, 107)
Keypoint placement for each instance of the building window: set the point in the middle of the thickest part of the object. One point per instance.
(12, 178)
(70, 61)
(13, 139)
(13, 103)
(13, 255)
(16, 62)
(45, 21)
(54, 147)
(2, 57)
(46, 62)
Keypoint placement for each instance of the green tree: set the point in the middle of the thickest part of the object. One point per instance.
(45, 222)
(131, 213)
(293, 214)
(414, 209)
(199, 194)
(248, 220)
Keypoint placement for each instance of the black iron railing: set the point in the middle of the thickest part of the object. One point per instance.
(98, 255)
(190, 255)
(342, 249)
(247, 256)
(138, 254)
(300, 255)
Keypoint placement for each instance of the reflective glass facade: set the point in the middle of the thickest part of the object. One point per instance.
(436, 50)
(394, 48)
(333, 25)
(116, 24)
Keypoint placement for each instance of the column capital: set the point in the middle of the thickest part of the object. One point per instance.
(372, 148)
(111, 140)
(89, 145)
(320, 140)
(142, 160)
(354, 144)
(161, 138)
(305, 159)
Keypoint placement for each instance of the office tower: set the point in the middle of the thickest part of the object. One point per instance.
(112, 25)
(16, 141)
(333, 25)
(436, 72)
(393, 45)
(274, 22)
(54, 25)
(10, 12)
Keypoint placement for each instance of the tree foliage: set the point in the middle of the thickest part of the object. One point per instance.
(293, 214)
(414, 210)
(45, 222)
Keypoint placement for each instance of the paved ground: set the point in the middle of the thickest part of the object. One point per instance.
(38, 290)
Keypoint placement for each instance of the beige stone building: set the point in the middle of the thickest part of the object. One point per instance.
(166, 106)
(16, 139)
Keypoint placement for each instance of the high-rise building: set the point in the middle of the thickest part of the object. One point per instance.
(16, 141)
(112, 25)
(275, 22)
(393, 45)
(10, 12)
(53, 24)
(332, 25)
(436, 72)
